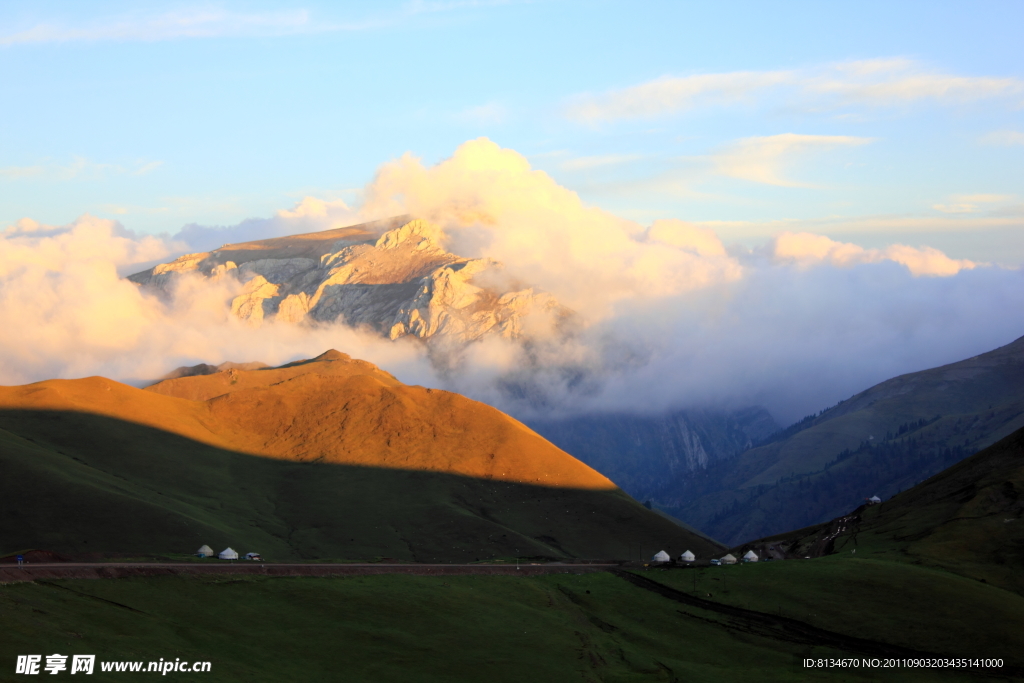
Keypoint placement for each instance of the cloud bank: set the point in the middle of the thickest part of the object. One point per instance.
(669, 316)
(71, 315)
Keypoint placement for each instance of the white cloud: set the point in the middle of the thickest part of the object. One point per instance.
(309, 215)
(668, 95)
(875, 83)
(79, 168)
(196, 23)
(870, 224)
(1004, 138)
(890, 82)
(963, 207)
(970, 203)
(588, 162)
(763, 159)
(215, 22)
(484, 114)
(983, 198)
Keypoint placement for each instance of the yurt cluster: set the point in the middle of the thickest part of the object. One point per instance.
(686, 558)
(228, 553)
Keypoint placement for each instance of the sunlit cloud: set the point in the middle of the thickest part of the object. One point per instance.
(874, 83)
(764, 159)
(809, 249)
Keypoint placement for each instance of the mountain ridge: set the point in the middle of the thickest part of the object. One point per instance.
(325, 458)
(878, 442)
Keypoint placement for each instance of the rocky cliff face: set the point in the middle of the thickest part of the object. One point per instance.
(402, 282)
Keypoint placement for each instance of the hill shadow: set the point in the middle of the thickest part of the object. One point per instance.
(84, 484)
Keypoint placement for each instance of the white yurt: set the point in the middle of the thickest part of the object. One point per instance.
(687, 557)
(205, 551)
(750, 556)
(228, 554)
(661, 556)
(874, 500)
(729, 559)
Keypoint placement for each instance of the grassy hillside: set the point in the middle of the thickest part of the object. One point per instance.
(879, 442)
(326, 466)
(594, 627)
(967, 519)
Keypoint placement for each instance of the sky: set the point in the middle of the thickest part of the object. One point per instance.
(870, 138)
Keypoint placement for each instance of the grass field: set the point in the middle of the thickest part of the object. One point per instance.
(903, 604)
(591, 627)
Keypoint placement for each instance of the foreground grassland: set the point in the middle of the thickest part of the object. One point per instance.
(564, 627)
(921, 608)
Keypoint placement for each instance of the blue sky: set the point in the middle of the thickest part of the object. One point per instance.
(871, 124)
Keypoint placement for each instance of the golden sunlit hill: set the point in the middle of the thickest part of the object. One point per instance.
(326, 458)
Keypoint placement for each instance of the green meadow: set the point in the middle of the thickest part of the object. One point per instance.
(563, 627)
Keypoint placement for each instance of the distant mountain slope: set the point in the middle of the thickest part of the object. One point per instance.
(324, 458)
(878, 442)
(393, 276)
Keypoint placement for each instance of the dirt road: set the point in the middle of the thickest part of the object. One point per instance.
(117, 570)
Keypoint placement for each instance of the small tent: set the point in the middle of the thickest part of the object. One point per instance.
(228, 554)
(729, 559)
(874, 500)
(205, 551)
(661, 556)
(750, 556)
(687, 557)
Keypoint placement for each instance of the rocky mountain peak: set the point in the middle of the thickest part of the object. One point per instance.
(401, 283)
(419, 234)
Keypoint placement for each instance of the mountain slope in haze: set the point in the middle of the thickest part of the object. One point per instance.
(324, 458)
(642, 452)
(392, 276)
(878, 442)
